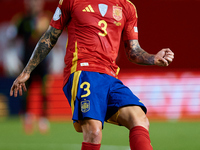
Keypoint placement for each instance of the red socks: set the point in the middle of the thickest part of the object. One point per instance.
(139, 139)
(90, 146)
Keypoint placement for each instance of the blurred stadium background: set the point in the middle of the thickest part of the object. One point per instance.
(171, 94)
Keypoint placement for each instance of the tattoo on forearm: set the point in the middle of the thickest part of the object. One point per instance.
(43, 47)
(136, 54)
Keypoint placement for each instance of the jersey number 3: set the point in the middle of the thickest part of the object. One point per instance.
(86, 87)
(103, 24)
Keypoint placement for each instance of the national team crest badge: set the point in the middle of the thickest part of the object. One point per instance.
(85, 106)
(117, 13)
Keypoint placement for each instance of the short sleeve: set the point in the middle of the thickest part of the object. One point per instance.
(62, 15)
(130, 29)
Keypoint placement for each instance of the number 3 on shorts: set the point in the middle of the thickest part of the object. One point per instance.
(86, 87)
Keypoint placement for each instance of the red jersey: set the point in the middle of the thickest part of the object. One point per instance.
(95, 28)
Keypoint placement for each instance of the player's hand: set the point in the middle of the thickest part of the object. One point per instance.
(164, 57)
(19, 84)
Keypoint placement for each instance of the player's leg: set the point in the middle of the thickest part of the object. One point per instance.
(88, 99)
(130, 113)
(92, 134)
(134, 118)
(131, 116)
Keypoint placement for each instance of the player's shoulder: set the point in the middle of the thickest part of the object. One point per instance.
(129, 3)
(129, 6)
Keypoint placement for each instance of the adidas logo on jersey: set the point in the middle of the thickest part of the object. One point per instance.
(88, 9)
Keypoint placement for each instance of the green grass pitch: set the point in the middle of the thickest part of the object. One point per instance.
(62, 136)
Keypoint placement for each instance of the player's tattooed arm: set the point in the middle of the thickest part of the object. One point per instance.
(43, 47)
(136, 54)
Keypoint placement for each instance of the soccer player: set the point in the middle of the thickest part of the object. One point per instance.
(95, 94)
(30, 26)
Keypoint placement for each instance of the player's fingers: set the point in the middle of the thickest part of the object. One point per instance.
(13, 88)
(24, 87)
(169, 56)
(16, 90)
(11, 91)
(169, 52)
(164, 62)
(168, 59)
(20, 90)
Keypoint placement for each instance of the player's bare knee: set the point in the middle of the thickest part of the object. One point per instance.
(92, 136)
(95, 134)
(92, 131)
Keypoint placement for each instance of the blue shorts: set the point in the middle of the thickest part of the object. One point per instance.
(97, 96)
